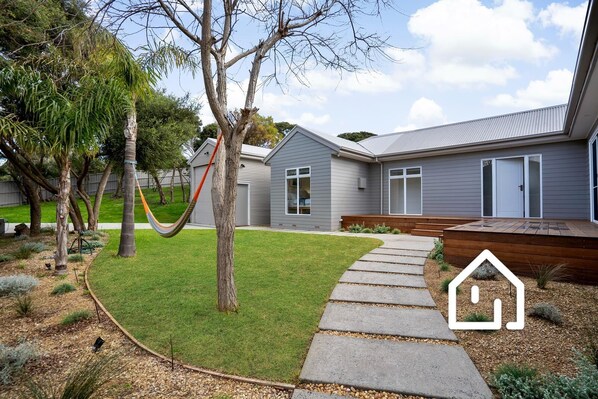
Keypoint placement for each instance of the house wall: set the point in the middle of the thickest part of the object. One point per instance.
(347, 198)
(255, 173)
(452, 184)
(301, 151)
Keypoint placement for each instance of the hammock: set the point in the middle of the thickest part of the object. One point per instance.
(168, 231)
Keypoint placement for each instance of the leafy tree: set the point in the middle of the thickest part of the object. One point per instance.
(356, 136)
(263, 132)
(208, 131)
(284, 127)
(293, 35)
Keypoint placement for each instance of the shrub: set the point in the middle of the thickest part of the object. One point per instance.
(522, 382)
(444, 286)
(23, 253)
(477, 317)
(485, 272)
(95, 244)
(546, 311)
(35, 246)
(438, 251)
(23, 305)
(356, 228)
(342, 230)
(12, 360)
(443, 266)
(381, 229)
(76, 317)
(63, 289)
(21, 238)
(85, 233)
(75, 258)
(396, 231)
(6, 257)
(515, 371)
(367, 231)
(82, 383)
(17, 284)
(547, 273)
(48, 230)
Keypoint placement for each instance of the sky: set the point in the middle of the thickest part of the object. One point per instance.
(456, 60)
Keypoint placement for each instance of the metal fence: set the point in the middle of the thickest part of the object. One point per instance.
(10, 194)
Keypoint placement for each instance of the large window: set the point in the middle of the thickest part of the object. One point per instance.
(512, 187)
(298, 191)
(405, 191)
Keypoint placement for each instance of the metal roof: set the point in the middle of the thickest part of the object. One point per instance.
(246, 150)
(342, 143)
(487, 130)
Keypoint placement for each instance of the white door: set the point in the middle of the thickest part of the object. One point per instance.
(242, 205)
(510, 201)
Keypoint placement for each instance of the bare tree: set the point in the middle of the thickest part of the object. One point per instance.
(291, 35)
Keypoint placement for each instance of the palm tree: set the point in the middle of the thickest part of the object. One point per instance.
(64, 119)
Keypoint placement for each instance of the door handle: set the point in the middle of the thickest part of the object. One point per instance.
(521, 187)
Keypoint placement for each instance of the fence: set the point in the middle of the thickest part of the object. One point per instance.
(10, 194)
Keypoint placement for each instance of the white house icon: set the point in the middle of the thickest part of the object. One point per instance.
(495, 324)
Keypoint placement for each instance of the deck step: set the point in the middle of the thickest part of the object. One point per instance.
(434, 226)
(426, 233)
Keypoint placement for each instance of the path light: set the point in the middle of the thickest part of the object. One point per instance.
(98, 344)
(49, 266)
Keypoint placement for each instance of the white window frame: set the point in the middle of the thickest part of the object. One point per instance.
(593, 138)
(404, 177)
(286, 189)
(525, 184)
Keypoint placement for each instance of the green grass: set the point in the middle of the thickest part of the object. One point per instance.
(169, 289)
(63, 288)
(76, 317)
(111, 210)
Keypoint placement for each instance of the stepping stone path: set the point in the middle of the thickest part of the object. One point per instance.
(384, 293)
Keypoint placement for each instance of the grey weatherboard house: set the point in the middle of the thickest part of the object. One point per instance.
(539, 164)
(253, 186)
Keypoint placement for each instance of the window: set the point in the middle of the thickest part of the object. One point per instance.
(594, 179)
(298, 191)
(405, 191)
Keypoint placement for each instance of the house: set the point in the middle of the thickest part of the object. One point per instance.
(496, 323)
(253, 188)
(538, 164)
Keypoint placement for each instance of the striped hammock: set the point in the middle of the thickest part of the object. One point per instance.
(168, 231)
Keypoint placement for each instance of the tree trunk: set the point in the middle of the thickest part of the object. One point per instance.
(82, 191)
(172, 186)
(62, 212)
(126, 246)
(159, 188)
(224, 191)
(119, 186)
(185, 198)
(35, 207)
(97, 202)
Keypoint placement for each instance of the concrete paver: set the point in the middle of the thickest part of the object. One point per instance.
(409, 260)
(406, 322)
(382, 295)
(399, 252)
(304, 394)
(440, 371)
(391, 279)
(387, 268)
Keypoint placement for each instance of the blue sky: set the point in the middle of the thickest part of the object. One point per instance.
(470, 59)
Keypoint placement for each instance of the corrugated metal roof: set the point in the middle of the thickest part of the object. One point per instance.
(341, 142)
(479, 131)
(250, 150)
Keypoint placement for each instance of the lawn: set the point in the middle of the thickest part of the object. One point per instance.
(111, 211)
(169, 289)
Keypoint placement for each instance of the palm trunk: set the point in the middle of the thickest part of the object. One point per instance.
(35, 207)
(97, 202)
(159, 188)
(119, 185)
(62, 212)
(75, 212)
(126, 246)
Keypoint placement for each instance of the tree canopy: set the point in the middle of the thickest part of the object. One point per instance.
(356, 136)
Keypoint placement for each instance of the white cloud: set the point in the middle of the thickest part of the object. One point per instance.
(479, 41)
(423, 113)
(569, 20)
(538, 93)
(170, 35)
(309, 119)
